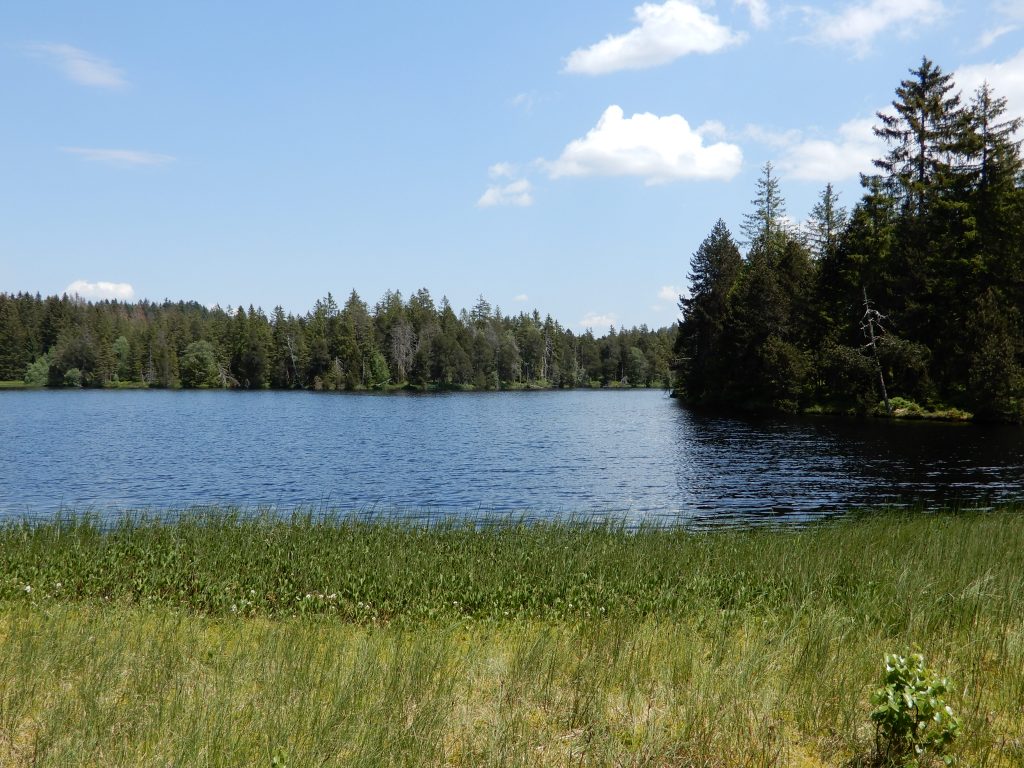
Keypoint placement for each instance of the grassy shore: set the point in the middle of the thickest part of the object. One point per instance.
(222, 641)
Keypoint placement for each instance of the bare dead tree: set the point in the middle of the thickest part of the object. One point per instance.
(403, 348)
(227, 381)
(291, 354)
(873, 319)
(548, 350)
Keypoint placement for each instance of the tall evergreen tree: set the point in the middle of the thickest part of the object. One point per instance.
(826, 224)
(766, 222)
(995, 165)
(15, 352)
(921, 134)
(700, 359)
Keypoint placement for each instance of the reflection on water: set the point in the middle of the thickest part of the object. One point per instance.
(634, 455)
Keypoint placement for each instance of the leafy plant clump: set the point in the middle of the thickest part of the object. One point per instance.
(911, 717)
(902, 408)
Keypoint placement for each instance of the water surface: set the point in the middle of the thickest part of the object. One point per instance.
(634, 455)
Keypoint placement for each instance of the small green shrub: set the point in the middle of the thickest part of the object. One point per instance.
(73, 377)
(901, 406)
(911, 717)
(38, 373)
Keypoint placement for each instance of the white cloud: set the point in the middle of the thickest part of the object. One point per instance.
(991, 35)
(663, 33)
(771, 137)
(100, 290)
(596, 320)
(859, 23)
(1012, 8)
(1006, 79)
(523, 100)
(516, 193)
(501, 171)
(758, 11)
(855, 146)
(122, 157)
(658, 149)
(712, 128)
(522, 297)
(81, 66)
(669, 293)
(851, 153)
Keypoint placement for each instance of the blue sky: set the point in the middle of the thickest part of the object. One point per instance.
(568, 156)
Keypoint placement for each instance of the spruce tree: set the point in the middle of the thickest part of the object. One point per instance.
(700, 360)
(921, 134)
(765, 223)
(826, 224)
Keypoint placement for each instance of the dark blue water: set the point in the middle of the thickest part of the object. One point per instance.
(633, 455)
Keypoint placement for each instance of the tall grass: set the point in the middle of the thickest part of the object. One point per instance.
(194, 643)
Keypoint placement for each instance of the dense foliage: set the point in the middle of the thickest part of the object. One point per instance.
(935, 244)
(64, 341)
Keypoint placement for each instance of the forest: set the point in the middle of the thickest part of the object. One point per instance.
(913, 298)
(909, 302)
(63, 341)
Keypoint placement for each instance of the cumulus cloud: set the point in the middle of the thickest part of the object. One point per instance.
(101, 290)
(855, 147)
(81, 66)
(657, 149)
(758, 10)
(852, 152)
(122, 157)
(663, 34)
(1006, 79)
(516, 193)
(858, 24)
(669, 293)
(598, 320)
(520, 298)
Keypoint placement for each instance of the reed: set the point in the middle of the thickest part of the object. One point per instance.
(194, 642)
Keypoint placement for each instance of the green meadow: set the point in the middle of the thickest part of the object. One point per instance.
(221, 639)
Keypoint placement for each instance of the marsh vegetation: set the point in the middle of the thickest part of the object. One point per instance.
(227, 641)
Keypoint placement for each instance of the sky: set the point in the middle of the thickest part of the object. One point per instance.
(566, 156)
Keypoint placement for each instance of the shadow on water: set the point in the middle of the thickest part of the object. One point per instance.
(761, 466)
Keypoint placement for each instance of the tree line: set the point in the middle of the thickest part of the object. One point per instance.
(64, 341)
(915, 293)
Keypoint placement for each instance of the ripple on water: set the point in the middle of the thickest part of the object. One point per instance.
(629, 455)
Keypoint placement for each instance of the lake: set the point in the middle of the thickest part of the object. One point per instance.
(633, 455)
